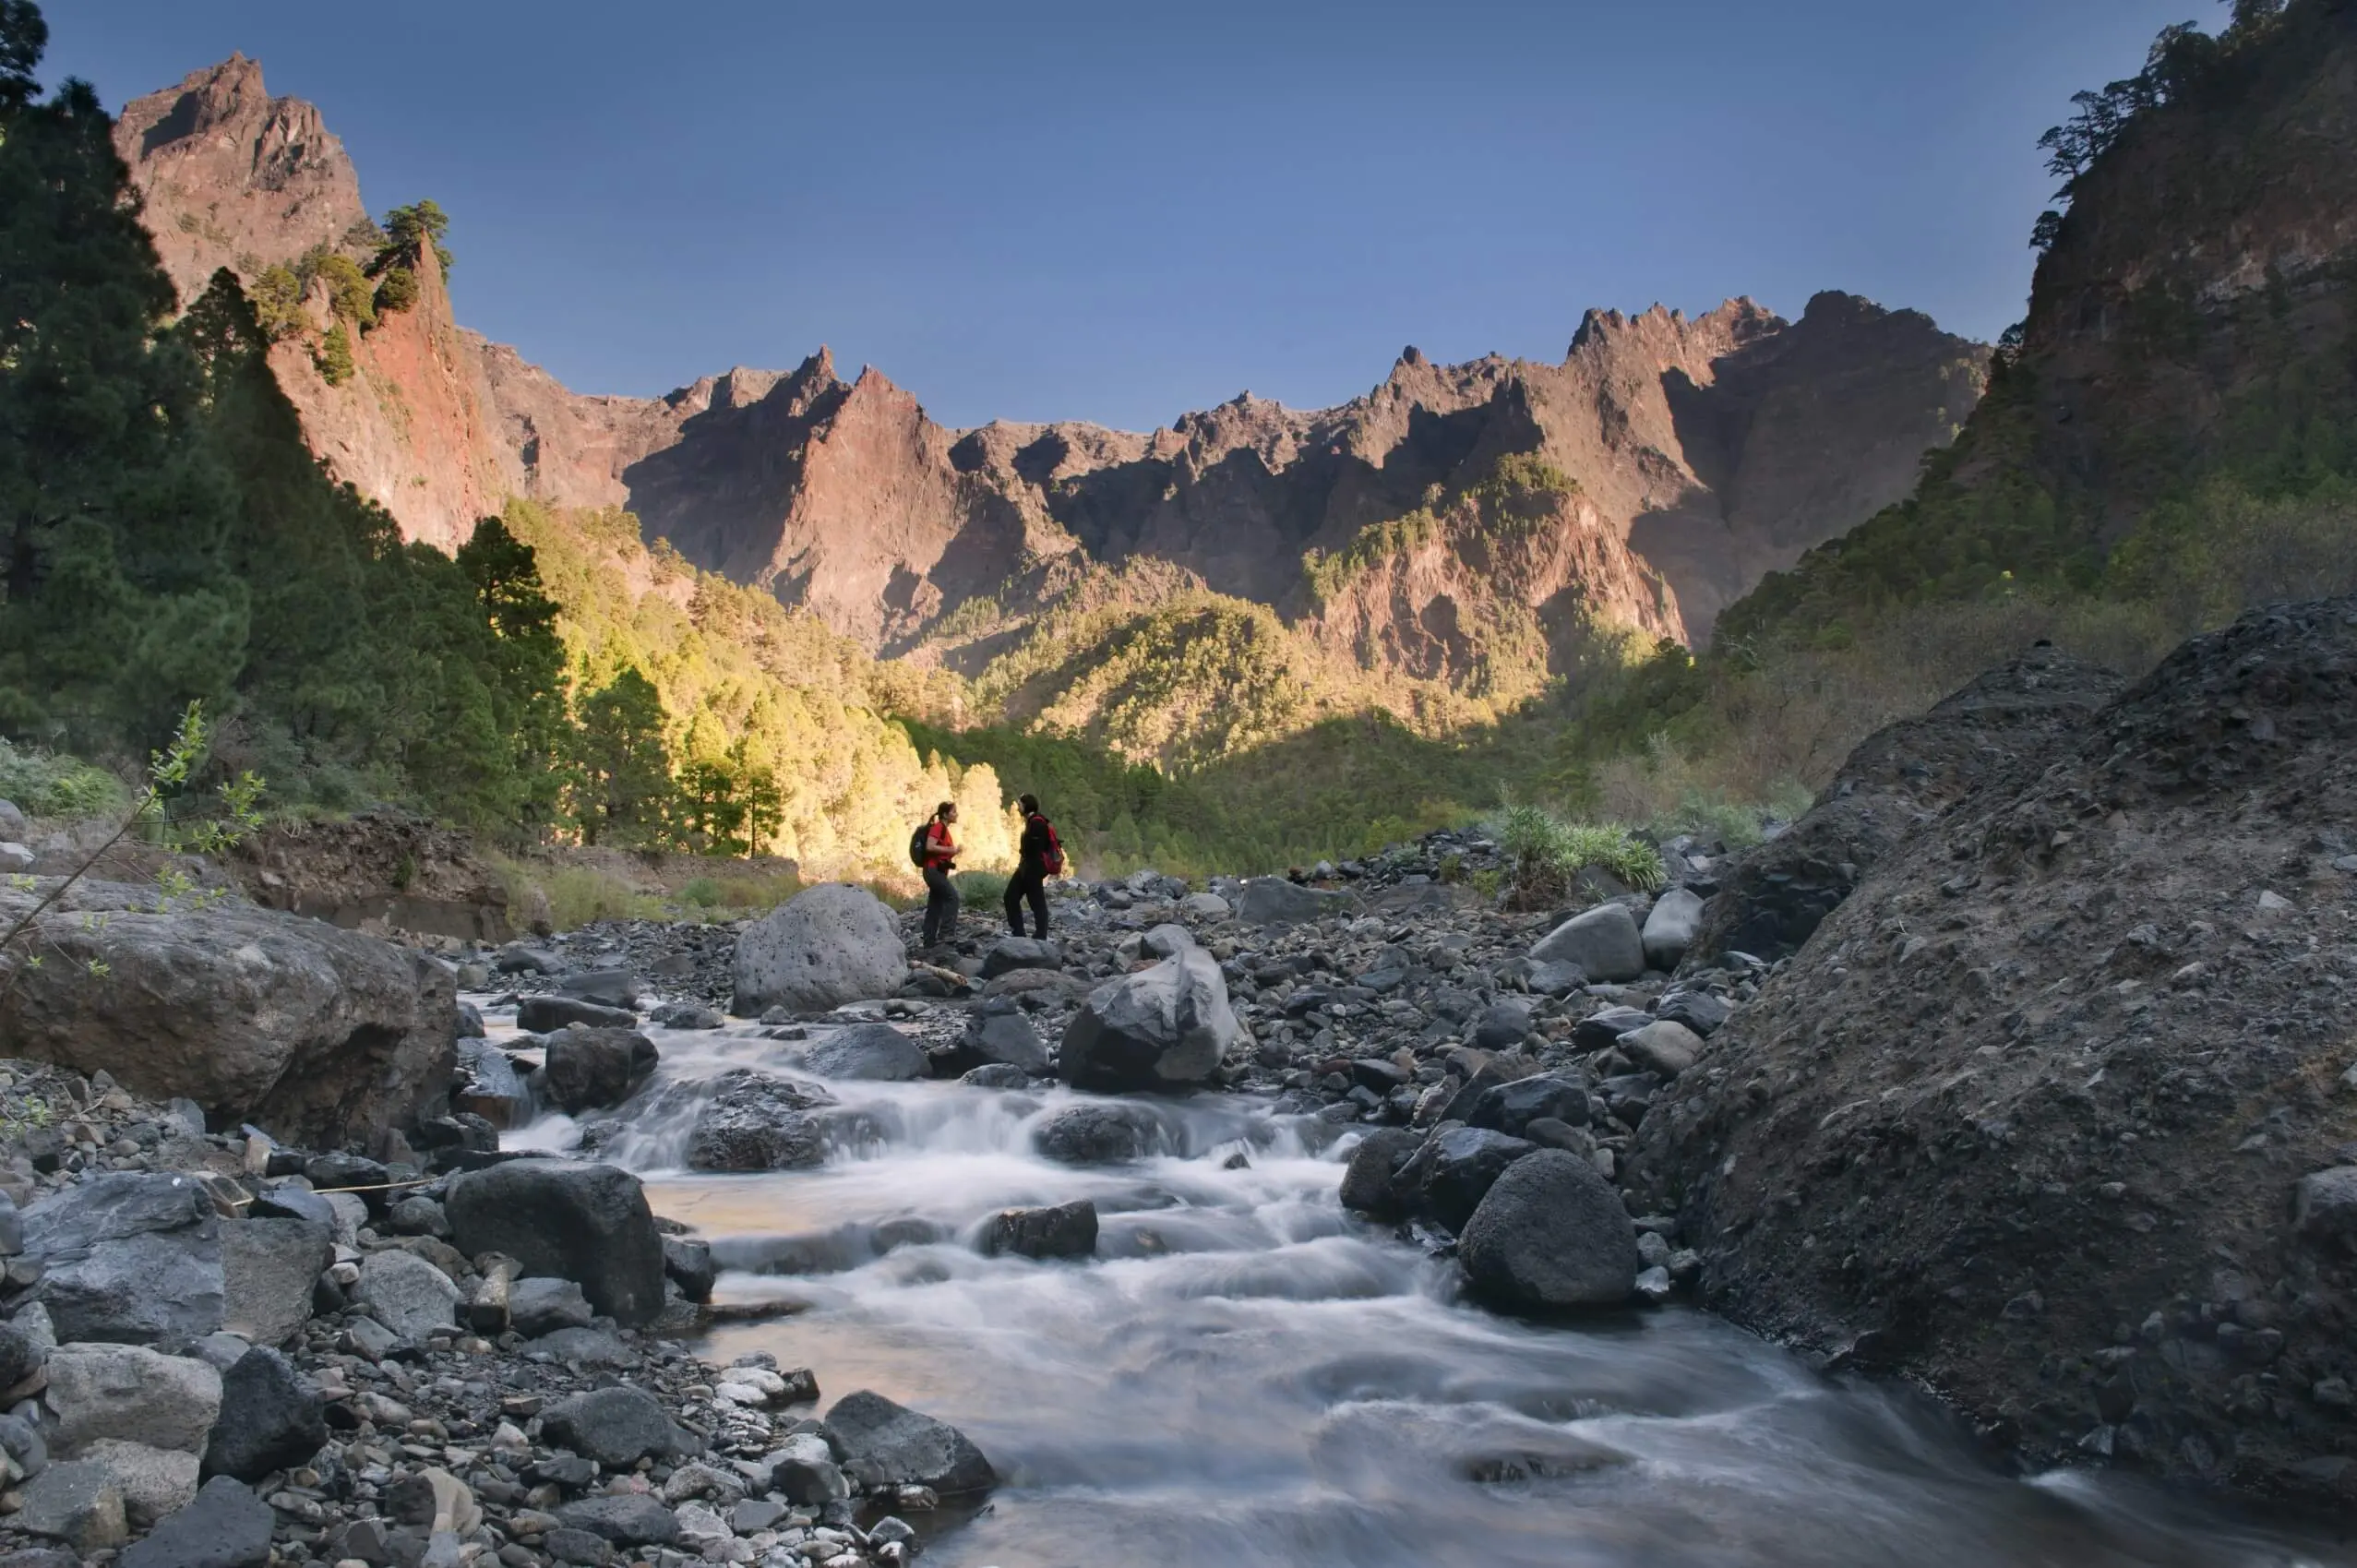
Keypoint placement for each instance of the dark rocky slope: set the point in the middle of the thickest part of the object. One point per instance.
(2038, 1116)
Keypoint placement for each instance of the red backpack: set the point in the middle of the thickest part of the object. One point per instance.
(1051, 859)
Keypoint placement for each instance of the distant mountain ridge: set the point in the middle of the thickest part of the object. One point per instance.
(1659, 470)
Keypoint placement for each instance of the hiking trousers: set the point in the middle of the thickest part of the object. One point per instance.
(940, 906)
(1028, 885)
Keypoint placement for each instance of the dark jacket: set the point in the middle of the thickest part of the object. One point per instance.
(1031, 854)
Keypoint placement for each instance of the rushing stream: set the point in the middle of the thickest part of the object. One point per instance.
(1246, 1376)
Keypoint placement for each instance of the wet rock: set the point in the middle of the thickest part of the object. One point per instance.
(618, 1427)
(871, 1052)
(226, 1526)
(1670, 928)
(1002, 1039)
(1662, 1047)
(1368, 1180)
(77, 1503)
(885, 1444)
(996, 1075)
(588, 1224)
(133, 1394)
(752, 1120)
(1510, 1107)
(545, 1015)
(1161, 1028)
(590, 1069)
(1605, 942)
(1448, 1175)
(1273, 900)
(690, 1015)
(407, 1294)
(1551, 1232)
(1099, 1134)
(689, 1265)
(1067, 1230)
(129, 1257)
(489, 1085)
(273, 1418)
(267, 1266)
(827, 946)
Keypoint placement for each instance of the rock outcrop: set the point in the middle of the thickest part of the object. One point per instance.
(2045, 1113)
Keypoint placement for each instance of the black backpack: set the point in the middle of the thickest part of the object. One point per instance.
(916, 845)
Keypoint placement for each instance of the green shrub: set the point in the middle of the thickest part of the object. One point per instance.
(1546, 853)
(980, 887)
(396, 290)
(334, 357)
(46, 784)
(703, 892)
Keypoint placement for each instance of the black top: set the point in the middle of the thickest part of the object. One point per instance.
(1032, 853)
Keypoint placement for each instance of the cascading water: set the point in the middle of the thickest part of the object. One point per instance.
(1244, 1375)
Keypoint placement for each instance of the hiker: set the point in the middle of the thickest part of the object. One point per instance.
(935, 850)
(1039, 857)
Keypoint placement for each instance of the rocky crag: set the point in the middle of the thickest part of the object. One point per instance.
(1698, 453)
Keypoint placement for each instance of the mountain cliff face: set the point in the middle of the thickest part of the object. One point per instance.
(1687, 456)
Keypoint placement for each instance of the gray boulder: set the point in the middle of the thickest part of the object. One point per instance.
(1551, 1232)
(1604, 1027)
(688, 1263)
(1166, 940)
(884, 1444)
(1207, 907)
(1503, 1024)
(618, 1427)
(1367, 1180)
(129, 1257)
(1670, 928)
(1662, 1046)
(876, 1052)
(1099, 1134)
(825, 947)
(1067, 1230)
(1604, 941)
(751, 1120)
(226, 1526)
(1005, 1039)
(586, 1222)
(407, 1294)
(268, 1267)
(2323, 1206)
(131, 1393)
(322, 1035)
(537, 1306)
(607, 987)
(595, 1069)
(804, 1471)
(1512, 1107)
(627, 1519)
(545, 1015)
(1166, 1027)
(1451, 1174)
(1698, 1011)
(1274, 901)
(153, 1482)
(489, 1086)
(273, 1418)
(77, 1503)
(1011, 953)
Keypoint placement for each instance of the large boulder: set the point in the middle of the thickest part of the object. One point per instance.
(590, 1069)
(133, 1395)
(321, 1035)
(995, 1038)
(545, 1015)
(267, 1269)
(1273, 900)
(129, 1257)
(1367, 1179)
(1449, 1176)
(618, 1427)
(1670, 925)
(751, 1120)
(1100, 1134)
(884, 1444)
(1067, 1230)
(877, 1052)
(825, 947)
(1510, 1107)
(1604, 942)
(1551, 1232)
(273, 1418)
(586, 1222)
(1166, 1027)
(1011, 953)
(407, 1294)
(226, 1526)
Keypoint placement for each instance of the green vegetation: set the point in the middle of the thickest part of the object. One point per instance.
(396, 290)
(408, 230)
(278, 304)
(45, 784)
(1546, 855)
(333, 356)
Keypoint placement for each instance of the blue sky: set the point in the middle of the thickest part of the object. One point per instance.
(1118, 211)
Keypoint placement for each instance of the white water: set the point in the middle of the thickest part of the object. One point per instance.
(1246, 1376)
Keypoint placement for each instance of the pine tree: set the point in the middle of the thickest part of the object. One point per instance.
(622, 785)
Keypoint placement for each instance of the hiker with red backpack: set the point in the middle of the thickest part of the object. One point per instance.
(1039, 857)
(934, 849)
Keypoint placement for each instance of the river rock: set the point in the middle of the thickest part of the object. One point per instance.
(618, 1427)
(1006, 1039)
(545, 1015)
(586, 1222)
(267, 1266)
(873, 1052)
(543, 1306)
(1274, 901)
(1099, 1134)
(595, 1069)
(1367, 1180)
(273, 1418)
(1551, 1232)
(806, 1474)
(407, 1294)
(129, 1257)
(1503, 1024)
(320, 1033)
(1161, 1028)
(77, 1503)
(1698, 1011)
(751, 1120)
(1662, 1046)
(1670, 928)
(688, 1262)
(1448, 1177)
(884, 1444)
(152, 1481)
(1604, 941)
(1067, 1230)
(607, 987)
(226, 1526)
(1512, 1107)
(133, 1394)
(626, 1519)
(1604, 1027)
(1011, 953)
(827, 946)
(489, 1086)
